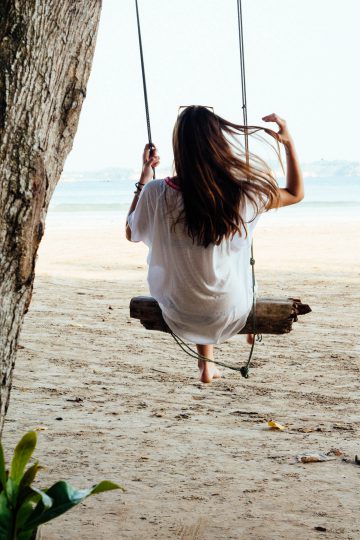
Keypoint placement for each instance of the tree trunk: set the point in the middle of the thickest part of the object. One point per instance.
(273, 315)
(46, 52)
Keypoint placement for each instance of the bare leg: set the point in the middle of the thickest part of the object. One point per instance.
(208, 370)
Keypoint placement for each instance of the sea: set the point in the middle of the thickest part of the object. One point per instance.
(93, 203)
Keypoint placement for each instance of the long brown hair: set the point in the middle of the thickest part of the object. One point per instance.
(216, 176)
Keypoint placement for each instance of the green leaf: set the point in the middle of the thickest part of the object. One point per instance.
(22, 454)
(64, 498)
(6, 518)
(25, 494)
(25, 489)
(105, 485)
(29, 534)
(28, 506)
(24, 513)
(44, 497)
(29, 475)
(2, 468)
(12, 491)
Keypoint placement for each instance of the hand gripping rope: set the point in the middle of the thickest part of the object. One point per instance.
(146, 101)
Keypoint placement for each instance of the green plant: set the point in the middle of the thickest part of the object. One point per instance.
(24, 507)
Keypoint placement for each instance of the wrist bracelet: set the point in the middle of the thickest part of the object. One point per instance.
(138, 188)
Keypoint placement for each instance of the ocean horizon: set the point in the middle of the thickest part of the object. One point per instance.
(89, 201)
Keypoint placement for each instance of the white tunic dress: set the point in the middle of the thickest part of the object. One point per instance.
(205, 294)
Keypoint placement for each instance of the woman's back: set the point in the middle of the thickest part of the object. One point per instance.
(205, 293)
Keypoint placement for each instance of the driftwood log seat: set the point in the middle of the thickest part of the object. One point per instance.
(273, 315)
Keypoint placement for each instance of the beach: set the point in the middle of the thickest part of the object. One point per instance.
(114, 401)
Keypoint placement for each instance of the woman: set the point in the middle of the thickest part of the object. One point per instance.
(199, 225)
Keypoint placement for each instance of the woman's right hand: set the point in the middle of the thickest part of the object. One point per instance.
(294, 190)
(283, 135)
(150, 161)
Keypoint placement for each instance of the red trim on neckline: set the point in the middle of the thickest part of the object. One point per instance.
(172, 184)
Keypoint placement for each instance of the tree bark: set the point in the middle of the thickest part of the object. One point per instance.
(273, 315)
(46, 52)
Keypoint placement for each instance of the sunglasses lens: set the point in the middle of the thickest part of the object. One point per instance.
(182, 107)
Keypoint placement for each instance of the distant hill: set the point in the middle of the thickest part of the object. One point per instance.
(315, 169)
(109, 174)
(323, 168)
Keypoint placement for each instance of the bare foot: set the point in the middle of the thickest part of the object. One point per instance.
(250, 338)
(208, 371)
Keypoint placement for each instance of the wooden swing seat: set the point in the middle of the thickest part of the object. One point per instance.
(273, 315)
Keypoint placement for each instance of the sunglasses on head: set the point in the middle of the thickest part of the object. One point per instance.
(182, 107)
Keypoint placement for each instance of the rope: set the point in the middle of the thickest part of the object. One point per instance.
(244, 370)
(242, 72)
(146, 101)
(190, 352)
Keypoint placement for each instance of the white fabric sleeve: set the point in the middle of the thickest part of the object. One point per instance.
(141, 220)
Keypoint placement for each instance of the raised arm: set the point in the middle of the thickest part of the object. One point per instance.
(294, 190)
(149, 161)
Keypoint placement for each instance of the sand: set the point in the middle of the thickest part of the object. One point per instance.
(197, 461)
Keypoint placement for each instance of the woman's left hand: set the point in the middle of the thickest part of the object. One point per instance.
(149, 163)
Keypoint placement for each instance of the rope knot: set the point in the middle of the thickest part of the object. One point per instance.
(252, 261)
(244, 372)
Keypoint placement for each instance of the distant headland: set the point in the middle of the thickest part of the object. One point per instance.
(316, 169)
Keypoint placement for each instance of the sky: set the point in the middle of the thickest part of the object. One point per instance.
(301, 59)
